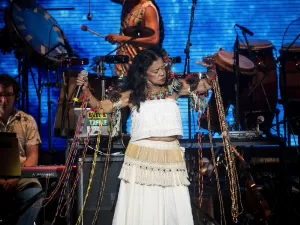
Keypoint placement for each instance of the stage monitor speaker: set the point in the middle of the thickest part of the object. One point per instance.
(109, 200)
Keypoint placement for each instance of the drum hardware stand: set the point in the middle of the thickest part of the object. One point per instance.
(50, 84)
(100, 72)
(24, 67)
(237, 84)
(187, 65)
(263, 89)
(101, 68)
(285, 101)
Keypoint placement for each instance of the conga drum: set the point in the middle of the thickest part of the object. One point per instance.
(291, 59)
(290, 86)
(263, 89)
(224, 62)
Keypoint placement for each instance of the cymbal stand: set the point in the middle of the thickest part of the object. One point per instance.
(263, 89)
(187, 65)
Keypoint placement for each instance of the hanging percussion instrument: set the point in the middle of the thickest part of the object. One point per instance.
(35, 33)
(260, 97)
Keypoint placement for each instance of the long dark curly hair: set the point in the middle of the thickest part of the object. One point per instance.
(137, 73)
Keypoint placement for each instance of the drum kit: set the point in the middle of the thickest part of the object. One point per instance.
(258, 89)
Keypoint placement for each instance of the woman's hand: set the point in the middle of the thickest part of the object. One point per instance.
(82, 81)
(203, 86)
(113, 38)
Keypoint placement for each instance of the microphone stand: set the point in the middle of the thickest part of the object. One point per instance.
(101, 68)
(102, 59)
(188, 43)
(237, 83)
(187, 60)
(247, 45)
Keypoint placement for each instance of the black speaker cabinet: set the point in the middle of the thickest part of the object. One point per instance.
(110, 192)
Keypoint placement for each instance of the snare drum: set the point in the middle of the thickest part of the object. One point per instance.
(262, 94)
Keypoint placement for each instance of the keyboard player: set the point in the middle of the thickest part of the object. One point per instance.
(15, 193)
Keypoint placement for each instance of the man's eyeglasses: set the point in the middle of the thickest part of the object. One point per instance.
(7, 95)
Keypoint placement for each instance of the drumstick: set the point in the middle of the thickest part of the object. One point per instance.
(84, 28)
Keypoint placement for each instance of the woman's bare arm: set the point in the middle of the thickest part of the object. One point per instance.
(106, 106)
(202, 87)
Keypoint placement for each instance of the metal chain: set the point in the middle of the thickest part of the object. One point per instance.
(229, 155)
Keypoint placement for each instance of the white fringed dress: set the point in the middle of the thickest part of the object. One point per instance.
(154, 180)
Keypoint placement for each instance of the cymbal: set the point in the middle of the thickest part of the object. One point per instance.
(138, 31)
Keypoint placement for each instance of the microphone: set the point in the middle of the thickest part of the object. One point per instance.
(244, 29)
(260, 119)
(89, 16)
(84, 28)
(76, 97)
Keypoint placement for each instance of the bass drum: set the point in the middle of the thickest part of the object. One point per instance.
(260, 97)
(35, 34)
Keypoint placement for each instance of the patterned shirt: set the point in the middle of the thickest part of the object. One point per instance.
(25, 128)
(130, 19)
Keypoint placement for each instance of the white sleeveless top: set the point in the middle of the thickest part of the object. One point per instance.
(156, 118)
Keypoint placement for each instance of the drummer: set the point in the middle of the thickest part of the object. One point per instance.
(143, 14)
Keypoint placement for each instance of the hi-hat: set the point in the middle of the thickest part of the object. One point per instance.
(138, 31)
